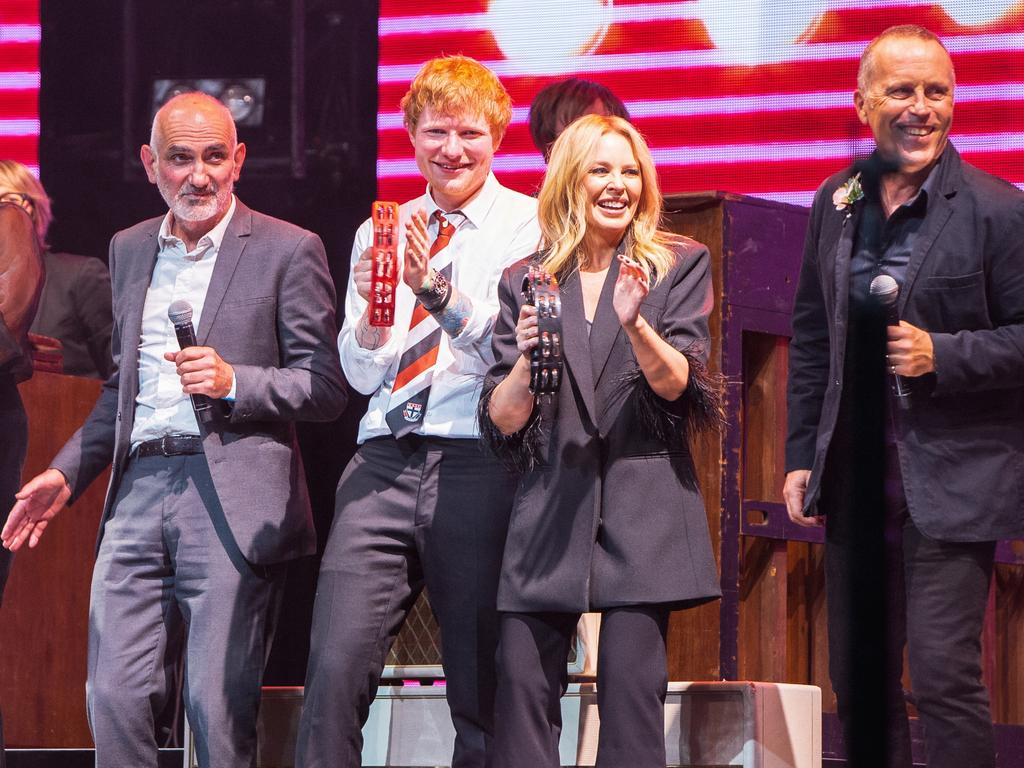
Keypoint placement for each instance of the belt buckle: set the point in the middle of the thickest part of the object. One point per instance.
(164, 443)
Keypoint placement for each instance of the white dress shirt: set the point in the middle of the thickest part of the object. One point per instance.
(161, 408)
(497, 228)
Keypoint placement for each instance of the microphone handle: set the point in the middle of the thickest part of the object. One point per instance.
(201, 404)
(898, 384)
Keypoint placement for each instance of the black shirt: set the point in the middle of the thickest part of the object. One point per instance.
(884, 245)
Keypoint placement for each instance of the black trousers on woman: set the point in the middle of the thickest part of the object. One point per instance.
(632, 677)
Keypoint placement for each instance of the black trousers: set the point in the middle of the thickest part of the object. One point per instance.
(409, 513)
(933, 603)
(632, 678)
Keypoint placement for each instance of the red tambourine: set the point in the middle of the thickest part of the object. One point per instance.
(385, 265)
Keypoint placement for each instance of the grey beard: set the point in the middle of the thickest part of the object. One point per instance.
(185, 211)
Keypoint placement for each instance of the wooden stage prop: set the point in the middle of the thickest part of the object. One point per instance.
(44, 618)
(770, 624)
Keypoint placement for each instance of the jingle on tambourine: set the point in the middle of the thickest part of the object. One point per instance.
(540, 289)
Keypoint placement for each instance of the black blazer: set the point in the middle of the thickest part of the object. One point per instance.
(961, 442)
(610, 513)
(75, 308)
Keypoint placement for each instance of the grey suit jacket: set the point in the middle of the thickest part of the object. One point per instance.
(610, 514)
(269, 313)
(961, 441)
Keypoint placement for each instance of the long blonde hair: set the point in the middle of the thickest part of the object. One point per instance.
(563, 200)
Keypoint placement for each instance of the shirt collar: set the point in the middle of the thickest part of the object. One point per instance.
(475, 211)
(211, 240)
(934, 180)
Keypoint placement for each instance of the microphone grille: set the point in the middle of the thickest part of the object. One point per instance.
(180, 312)
(885, 289)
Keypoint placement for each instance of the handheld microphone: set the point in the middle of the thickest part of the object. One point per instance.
(886, 291)
(180, 315)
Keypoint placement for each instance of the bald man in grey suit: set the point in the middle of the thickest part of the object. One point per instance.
(200, 516)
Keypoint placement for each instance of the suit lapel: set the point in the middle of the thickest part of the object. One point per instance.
(235, 238)
(576, 346)
(844, 250)
(142, 258)
(940, 208)
(606, 328)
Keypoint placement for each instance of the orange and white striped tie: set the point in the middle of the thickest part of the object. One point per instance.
(411, 390)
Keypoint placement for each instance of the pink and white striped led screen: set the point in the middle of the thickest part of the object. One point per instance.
(751, 96)
(19, 81)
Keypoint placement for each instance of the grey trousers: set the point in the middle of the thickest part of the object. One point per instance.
(169, 579)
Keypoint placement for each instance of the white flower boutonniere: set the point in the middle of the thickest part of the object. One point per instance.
(848, 194)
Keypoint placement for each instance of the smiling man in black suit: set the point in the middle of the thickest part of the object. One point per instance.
(950, 473)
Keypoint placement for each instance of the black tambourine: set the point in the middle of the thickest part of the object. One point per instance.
(540, 289)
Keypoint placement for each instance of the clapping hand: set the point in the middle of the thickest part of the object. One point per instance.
(417, 252)
(631, 288)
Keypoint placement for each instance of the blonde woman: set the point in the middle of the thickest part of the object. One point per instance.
(607, 516)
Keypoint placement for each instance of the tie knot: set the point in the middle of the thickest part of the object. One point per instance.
(444, 226)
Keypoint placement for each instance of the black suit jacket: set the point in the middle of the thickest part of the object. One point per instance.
(610, 513)
(269, 313)
(961, 442)
(75, 308)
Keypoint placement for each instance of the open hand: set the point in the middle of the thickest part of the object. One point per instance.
(631, 288)
(38, 502)
(417, 252)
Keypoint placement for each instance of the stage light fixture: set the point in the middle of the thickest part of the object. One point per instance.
(540, 34)
(240, 100)
(976, 13)
(244, 97)
(751, 32)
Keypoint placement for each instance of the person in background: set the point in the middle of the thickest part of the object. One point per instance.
(950, 454)
(75, 305)
(608, 517)
(202, 515)
(553, 108)
(21, 280)
(558, 104)
(420, 504)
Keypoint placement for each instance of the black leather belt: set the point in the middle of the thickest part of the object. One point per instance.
(170, 445)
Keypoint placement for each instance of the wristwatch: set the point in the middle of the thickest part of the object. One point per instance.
(435, 292)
